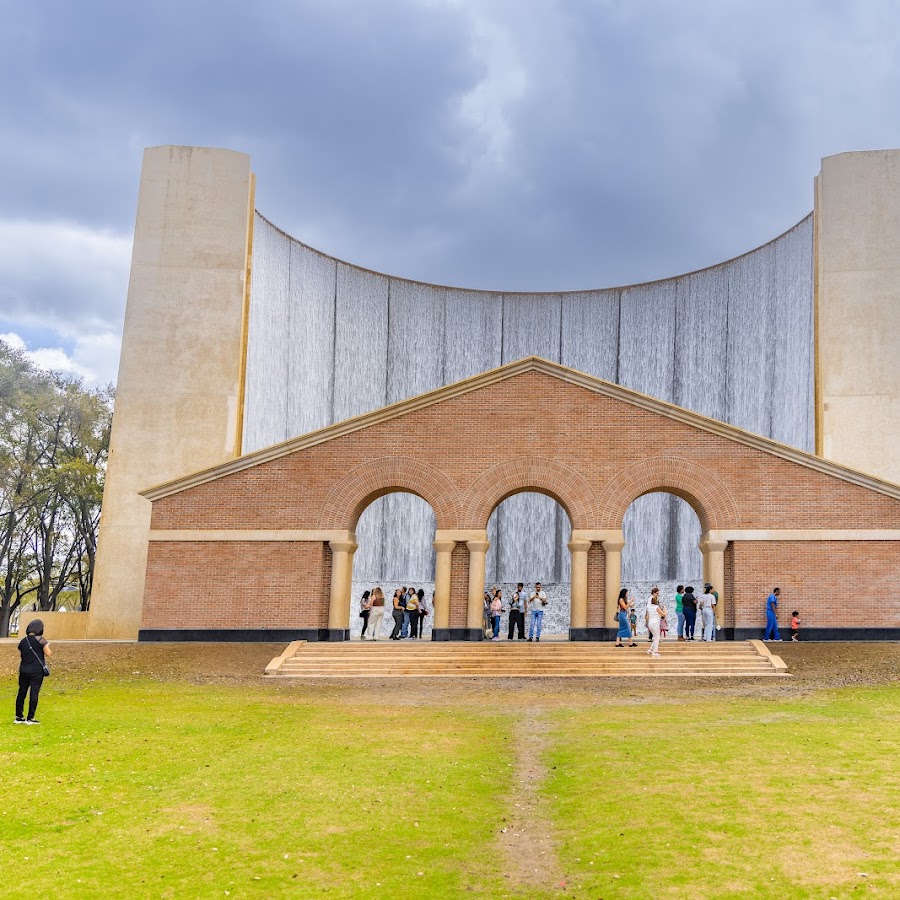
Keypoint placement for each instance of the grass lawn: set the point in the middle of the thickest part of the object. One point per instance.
(137, 787)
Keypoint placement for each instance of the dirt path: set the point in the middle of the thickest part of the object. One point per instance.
(527, 841)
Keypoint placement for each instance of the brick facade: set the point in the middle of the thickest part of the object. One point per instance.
(594, 453)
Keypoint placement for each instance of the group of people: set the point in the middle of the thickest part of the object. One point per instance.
(519, 603)
(408, 608)
(687, 605)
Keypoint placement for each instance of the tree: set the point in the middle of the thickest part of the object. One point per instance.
(54, 441)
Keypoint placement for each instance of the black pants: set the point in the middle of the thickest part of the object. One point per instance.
(690, 619)
(398, 623)
(421, 623)
(32, 680)
(413, 623)
(364, 615)
(516, 620)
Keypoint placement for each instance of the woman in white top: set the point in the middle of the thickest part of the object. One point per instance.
(652, 618)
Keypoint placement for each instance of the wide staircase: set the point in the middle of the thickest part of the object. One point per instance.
(426, 659)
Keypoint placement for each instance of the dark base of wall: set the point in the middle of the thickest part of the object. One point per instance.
(592, 634)
(240, 635)
(457, 634)
(822, 634)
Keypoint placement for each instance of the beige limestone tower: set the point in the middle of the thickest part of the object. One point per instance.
(179, 390)
(857, 300)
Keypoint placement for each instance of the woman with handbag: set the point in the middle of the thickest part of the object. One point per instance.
(624, 632)
(34, 651)
(376, 613)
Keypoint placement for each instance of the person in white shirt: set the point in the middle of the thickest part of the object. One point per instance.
(708, 613)
(652, 617)
(536, 604)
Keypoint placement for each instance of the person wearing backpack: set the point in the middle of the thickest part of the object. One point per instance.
(34, 650)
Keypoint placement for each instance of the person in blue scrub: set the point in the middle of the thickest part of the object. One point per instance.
(772, 633)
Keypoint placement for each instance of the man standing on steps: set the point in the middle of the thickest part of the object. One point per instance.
(772, 633)
(517, 613)
(536, 605)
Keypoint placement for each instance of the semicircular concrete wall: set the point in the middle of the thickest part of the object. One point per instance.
(328, 340)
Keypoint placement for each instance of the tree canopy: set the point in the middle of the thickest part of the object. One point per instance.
(54, 442)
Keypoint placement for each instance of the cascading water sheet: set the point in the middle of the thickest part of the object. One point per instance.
(328, 340)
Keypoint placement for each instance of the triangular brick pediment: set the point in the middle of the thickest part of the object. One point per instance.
(486, 380)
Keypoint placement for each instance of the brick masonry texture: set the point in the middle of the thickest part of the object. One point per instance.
(597, 455)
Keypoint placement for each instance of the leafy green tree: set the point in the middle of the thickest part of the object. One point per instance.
(54, 441)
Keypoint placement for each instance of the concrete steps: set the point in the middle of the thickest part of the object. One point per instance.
(557, 659)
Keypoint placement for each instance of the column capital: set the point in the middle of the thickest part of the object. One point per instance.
(481, 546)
(444, 546)
(613, 546)
(707, 545)
(343, 546)
(577, 545)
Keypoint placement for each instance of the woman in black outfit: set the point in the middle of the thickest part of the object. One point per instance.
(398, 613)
(365, 608)
(423, 610)
(34, 650)
(689, 608)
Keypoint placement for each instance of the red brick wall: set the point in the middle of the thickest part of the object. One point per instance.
(594, 454)
(824, 580)
(236, 584)
(597, 587)
(590, 447)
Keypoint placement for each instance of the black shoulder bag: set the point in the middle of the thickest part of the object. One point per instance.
(44, 665)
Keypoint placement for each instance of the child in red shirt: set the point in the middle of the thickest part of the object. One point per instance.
(795, 625)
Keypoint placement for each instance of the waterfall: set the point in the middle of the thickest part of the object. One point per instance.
(328, 340)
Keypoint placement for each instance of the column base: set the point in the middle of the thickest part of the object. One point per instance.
(334, 634)
(457, 634)
(590, 634)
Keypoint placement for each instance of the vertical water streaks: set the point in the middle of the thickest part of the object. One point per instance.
(360, 375)
(793, 420)
(700, 383)
(310, 337)
(268, 381)
(473, 336)
(647, 364)
(527, 523)
(415, 364)
(328, 341)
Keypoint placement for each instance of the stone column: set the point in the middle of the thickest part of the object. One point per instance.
(341, 584)
(714, 571)
(441, 624)
(579, 589)
(613, 550)
(477, 554)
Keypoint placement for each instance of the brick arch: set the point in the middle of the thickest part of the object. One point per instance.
(709, 497)
(377, 477)
(543, 476)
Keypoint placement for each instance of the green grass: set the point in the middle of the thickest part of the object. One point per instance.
(136, 788)
(732, 798)
(166, 790)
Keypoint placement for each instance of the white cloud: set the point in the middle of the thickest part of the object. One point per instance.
(62, 275)
(94, 358)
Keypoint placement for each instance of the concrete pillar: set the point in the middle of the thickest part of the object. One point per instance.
(180, 387)
(857, 307)
(341, 585)
(714, 572)
(441, 624)
(578, 617)
(474, 619)
(613, 550)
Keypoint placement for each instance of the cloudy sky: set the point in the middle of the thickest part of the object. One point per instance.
(506, 144)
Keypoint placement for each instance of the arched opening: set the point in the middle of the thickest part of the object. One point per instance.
(529, 534)
(395, 536)
(662, 534)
